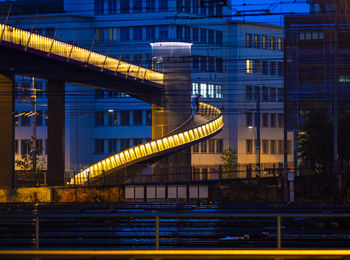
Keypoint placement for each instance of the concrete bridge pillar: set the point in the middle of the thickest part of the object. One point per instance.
(7, 131)
(174, 60)
(56, 133)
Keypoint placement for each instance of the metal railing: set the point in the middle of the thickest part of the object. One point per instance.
(178, 253)
(154, 147)
(49, 47)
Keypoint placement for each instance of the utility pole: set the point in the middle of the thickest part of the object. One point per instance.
(257, 143)
(34, 152)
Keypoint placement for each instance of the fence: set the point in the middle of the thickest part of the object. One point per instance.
(169, 252)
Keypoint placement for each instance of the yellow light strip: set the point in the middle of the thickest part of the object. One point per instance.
(70, 52)
(169, 252)
(155, 146)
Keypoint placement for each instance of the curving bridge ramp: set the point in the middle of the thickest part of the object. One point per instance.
(22, 46)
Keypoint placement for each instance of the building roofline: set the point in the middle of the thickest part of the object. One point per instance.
(33, 16)
(256, 24)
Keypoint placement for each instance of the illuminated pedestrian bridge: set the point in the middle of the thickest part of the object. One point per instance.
(27, 53)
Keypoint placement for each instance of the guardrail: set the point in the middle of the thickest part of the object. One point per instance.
(158, 216)
(49, 46)
(154, 147)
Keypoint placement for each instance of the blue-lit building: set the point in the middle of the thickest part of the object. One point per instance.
(233, 64)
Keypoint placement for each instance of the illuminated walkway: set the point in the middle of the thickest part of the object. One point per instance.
(157, 148)
(206, 123)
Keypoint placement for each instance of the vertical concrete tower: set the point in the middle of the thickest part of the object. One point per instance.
(174, 60)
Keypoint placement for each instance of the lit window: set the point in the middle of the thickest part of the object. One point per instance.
(203, 90)
(272, 42)
(256, 41)
(195, 89)
(218, 91)
(249, 66)
(248, 40)
(210, 90)
(264, 42)
(280, 44)
(112, 34)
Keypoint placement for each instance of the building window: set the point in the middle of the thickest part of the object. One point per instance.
(25, 146)
(203, 63)
(137, 6)
(219, 65)
(211, 37)
(265, 120)
(137, 33)
(280, 146)
(248, 93)
(265, 67)
(249, 119)
(219, 37)
(187, 33)
(163, 32)
(203, 36)
(211, 64)
(150, 33)
(211, 89)
(249, 146)
(272, 42)
(112, 118)
(99, 146)
(124, 144)
(280, 121)
(204, 147)
(211, 145)
(280, 44)
(195, 34)
(265, 146)
(248, 40)
(272, 120)
(124, 6)
(99, 7)
(148, 117)
(256, 41)
(256, 93)
(265, 94)
(280, 94)
(99, 93)
(112, 34)
(100, 34)
(203, 89)
(218, 91)
(219, 145)
(256, 66)
(195, 89)
(124, 118)
(137, 117)
(273, 146)
(280, 68)
(163, 5)
(112, 6)
(272, 68)
(124, 34)
(150, 5)
(137, 141)
(195, 62)
(112, 146)
(249, 66)
(195, 148)
(264, 42)
(99, 118)
(272, 94)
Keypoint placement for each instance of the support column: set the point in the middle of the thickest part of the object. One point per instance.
(7, 131)
(174, 60)
(56, 133)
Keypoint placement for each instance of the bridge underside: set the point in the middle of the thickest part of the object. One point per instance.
(26, 63)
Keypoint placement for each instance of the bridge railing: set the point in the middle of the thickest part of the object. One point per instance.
(132, 155)
(49, 46)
